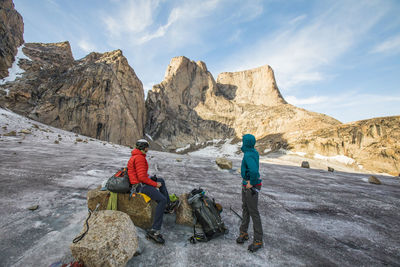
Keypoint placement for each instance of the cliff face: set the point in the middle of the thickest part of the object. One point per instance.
(98, 96)
(189, 107)
(171, 117)
(374, 144)
(11, 35)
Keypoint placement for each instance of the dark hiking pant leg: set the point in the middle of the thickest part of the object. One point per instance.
(163, 189)
(245, 213)
(154, 194)
(252, 205)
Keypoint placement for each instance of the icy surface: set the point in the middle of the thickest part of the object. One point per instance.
(15, 71)
(310, 217)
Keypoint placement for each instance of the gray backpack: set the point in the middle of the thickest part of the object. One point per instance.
(207, 213)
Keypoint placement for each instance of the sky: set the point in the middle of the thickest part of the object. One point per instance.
(337, 57)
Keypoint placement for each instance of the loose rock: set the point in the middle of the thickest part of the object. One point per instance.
(12, 133)
(373, 180)
(331, 169)
(305, 164)
(35, 207)
(224, 163)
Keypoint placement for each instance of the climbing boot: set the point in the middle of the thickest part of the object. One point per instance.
(256, 245)
(155, 236)
(242, 238)
(172, 206)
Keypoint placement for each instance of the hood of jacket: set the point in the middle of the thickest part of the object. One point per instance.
(249, 141)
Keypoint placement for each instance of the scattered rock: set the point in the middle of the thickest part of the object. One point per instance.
(12, 133)
(25, 131)
(59, 139)
(59, 135)
(91, 139)
(85, 141)
(111, 240)
(35, 126)
(78, 140)
(179, 160)
(34, 207)
(19, 142)
(76, 135)
(76, 143)
(4, 127)
(47, 136)
(305, 164)
(224, 163)
(138, 210)
(330, 169)
(373, 180)
(56, 142)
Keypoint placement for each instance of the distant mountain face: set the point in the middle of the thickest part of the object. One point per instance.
(374, 144)
(11, 35)
(98, 96)
(189, 107)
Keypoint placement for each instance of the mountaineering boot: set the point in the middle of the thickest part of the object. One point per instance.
(242, 237)
(155, 236)
(172, 206)
(256, 245)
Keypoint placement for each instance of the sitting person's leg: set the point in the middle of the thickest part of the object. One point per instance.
(163, 189)
(161, 200)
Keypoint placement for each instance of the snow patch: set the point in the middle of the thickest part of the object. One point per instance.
(302, 154)
(338, 158)
(182, 148)
(15, 71)
(225, 150)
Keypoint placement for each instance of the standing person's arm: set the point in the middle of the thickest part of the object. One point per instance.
(252, 171)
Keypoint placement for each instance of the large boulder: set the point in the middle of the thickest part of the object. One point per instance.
(224, 163)
(111, 240)
(139, 211)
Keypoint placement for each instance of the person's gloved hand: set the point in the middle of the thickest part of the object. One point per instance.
(154, 178)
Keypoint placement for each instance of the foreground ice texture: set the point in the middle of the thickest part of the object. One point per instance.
(310, 217)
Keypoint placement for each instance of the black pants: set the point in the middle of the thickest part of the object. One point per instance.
(250, 209)
(161, 196)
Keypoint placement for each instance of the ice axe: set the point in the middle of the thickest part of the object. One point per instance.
(240, 217)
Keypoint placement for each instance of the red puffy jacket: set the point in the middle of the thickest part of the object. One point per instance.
(138, 167)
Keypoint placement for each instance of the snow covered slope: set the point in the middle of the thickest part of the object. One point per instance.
(310, 217)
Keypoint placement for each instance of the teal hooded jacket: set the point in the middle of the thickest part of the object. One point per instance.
(250, 163)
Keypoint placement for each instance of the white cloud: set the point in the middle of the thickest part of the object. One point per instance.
(132, 17)
(298, 19)
(391, 45)
(86, 46)
(351, 105)
(300, 54)
(306, 101)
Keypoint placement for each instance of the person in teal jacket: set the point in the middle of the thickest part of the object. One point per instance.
(251, 186)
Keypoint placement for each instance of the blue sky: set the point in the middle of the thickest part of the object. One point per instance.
(341, 58)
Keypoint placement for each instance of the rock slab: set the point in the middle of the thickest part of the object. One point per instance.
(111, 240)
(140, 212)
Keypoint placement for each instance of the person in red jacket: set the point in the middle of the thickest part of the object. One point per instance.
(139, 178)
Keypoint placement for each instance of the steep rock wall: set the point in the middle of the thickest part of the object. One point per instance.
(11, 35)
